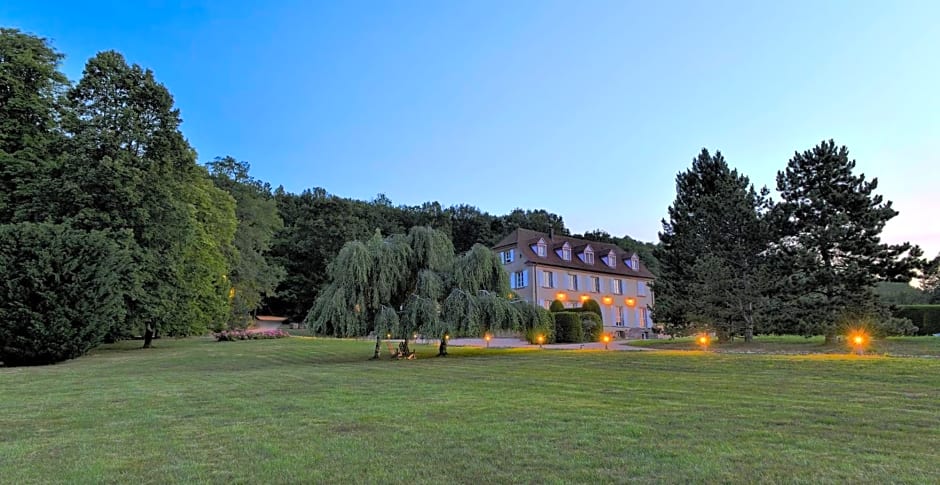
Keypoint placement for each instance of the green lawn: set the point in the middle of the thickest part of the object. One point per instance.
(792, 344)
(316, 411)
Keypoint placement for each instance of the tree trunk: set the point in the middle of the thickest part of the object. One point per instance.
(442, 349)
(378, 347)
(148, 336)
(830, 339)
(405, 348)
(749, 333)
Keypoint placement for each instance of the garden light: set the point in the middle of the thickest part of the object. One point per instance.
(606, 341)
(487, 337)
(541, 340)
(703, 340)
(859, 340)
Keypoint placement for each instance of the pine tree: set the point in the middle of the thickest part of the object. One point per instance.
(831, 222)
(712, 251)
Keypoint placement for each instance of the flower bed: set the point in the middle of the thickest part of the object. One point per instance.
(232, 335)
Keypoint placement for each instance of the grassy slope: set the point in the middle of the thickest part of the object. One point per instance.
(305, 410)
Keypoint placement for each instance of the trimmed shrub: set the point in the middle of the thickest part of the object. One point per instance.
(61, 291)
(925, 317)
(556, 306)
(568, 328)
(540, 322)
(592, 325)
(592, 306)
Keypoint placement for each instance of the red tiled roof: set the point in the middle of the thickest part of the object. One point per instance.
(524, 239)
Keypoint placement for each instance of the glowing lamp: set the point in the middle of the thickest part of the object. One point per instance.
(446, 337)
(608, 300)
(859, 340)
(703, 340)
(388, 335)
(487, 337)
(541, 340)
(585, 298)
(630, 302)
(606, 339)
(561, 297)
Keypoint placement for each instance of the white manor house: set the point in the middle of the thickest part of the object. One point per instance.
(546, 267)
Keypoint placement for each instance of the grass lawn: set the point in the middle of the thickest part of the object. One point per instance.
(315, 411)
(793, 344)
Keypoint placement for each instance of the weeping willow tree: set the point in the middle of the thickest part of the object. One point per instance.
(397, 285)
(389, 286)
(479, 300)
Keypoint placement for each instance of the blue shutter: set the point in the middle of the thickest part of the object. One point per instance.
(525, 278)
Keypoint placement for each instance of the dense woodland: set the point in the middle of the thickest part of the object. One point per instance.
(110, 228)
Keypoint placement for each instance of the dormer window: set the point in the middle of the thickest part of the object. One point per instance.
(611, 259)
(635, 262)
(540, 248)
(566, 252)
(589, 255)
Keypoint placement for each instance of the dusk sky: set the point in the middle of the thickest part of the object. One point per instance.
(586, 109)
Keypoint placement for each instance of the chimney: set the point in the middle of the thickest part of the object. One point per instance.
(551, 232)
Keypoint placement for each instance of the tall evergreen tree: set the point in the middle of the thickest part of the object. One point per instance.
(712, 251)
(831, 222)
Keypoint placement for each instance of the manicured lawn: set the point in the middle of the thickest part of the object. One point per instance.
(316, 411)
(792, 344)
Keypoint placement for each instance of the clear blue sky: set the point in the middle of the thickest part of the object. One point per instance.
(586, 109)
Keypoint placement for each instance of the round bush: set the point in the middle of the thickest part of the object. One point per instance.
(568, 327)
(60, 293)
(556, 306)
(592, 306)
(593, 326)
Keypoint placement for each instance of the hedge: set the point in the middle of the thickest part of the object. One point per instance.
(593, 326)
(568, 327)
(925, 317)
(61, 292)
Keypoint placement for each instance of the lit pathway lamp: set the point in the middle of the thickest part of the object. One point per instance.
(703, 342)
(606, 339)
(487, 337)
(858, 341)
(541, 340)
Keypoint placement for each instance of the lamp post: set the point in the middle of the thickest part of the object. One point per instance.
(541, 340)
(606, 339)
(703, 341)
(487, 337)
(858, 341)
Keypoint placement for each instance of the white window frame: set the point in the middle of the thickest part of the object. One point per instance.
(541, 248)
(616, 286)
(588, 256)
(548, 279)
(595, 284)
(566, 252)
(572, 281)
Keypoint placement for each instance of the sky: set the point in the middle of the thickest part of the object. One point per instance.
(587, 109)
